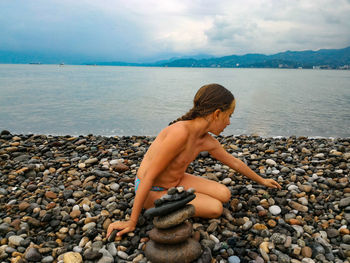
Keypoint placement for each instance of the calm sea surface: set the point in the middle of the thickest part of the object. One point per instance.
(61, 100)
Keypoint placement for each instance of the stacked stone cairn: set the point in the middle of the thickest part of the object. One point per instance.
(171, 238)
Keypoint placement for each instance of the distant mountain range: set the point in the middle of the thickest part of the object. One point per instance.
(324, 58)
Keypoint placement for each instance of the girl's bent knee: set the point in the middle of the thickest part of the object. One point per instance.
(216, 211)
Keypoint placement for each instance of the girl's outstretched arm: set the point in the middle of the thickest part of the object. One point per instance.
(219, 153)
(141, 195)
(165, 150)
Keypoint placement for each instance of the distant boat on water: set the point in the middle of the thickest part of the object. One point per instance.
(61, 64)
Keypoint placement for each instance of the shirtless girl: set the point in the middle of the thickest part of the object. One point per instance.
(165, 163)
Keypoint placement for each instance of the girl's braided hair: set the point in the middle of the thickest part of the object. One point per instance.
(208, 99)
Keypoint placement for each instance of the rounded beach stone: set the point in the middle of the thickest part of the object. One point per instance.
(344, 202)
(184, 252)
(33, 255)
(172, 235)
(299, 207)
(72, 257)
(174, 218)
(92, 255)
(275, 210)
(15, 240)
(271, 162)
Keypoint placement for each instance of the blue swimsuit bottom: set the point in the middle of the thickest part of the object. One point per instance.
(154, 188)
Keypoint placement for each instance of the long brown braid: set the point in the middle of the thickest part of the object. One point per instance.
(208, 99)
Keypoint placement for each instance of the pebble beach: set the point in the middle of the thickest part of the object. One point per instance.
(58, 194)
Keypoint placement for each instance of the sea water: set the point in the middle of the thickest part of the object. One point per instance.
(116, 101)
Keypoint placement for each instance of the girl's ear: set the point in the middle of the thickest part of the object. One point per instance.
(216, 114)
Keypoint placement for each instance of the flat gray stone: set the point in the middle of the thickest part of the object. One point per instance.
(174, 218)
(344, 202)
(172, 235)
(168, 207)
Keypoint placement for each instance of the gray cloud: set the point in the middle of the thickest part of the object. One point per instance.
(138, 30)
(279, 25)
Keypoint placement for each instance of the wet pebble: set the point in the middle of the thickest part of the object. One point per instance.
(275, 210)
(32, 254)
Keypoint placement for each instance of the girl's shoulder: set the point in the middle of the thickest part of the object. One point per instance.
(177, 130)
(180, 126)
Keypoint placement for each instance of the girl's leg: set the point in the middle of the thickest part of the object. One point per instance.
(209, 195)
(206, 186)
(207, 206)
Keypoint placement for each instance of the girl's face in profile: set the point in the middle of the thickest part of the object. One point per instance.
(224, 119)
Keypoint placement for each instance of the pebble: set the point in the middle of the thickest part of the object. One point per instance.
(105, 260)
(115, 187)
(293, 187)
(72, 257)
(112, 249)
(299, 207)
(47, 259)
(90, 254)
(89, 226)
(275, 210)
(271, 162)
(306, 252)
(122, 254)
(214, 238)
(247, 225)
(344, 202)
(227, 181)
(91, 161)
(234, 259)
(32, 254)
(15, 240)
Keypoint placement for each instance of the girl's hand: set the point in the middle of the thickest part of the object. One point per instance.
(271, 183)
(124, 226)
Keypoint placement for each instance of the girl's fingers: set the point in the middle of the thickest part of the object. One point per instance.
(120, 233)
(109, 231)
(111, 227)
(123, 226)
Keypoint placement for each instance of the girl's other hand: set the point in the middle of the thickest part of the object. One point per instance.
(124, 226)
(271, 183)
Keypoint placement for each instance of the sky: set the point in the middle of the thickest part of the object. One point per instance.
(150, 30)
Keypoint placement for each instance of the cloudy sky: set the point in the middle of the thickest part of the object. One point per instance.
(148, 30)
